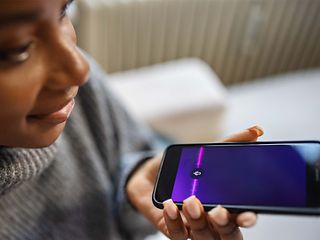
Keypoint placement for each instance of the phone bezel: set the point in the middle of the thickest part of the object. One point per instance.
(170, 174)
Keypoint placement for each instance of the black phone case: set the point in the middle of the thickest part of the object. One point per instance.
(242, 208)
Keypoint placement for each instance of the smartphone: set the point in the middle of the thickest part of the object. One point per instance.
(263, 177)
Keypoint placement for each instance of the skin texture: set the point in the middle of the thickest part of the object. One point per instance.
(41, 69)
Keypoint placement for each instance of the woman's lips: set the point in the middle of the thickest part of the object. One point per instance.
(57, 117)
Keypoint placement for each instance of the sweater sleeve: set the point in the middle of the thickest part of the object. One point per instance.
(127, 143)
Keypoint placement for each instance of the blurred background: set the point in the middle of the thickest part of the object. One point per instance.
(198, 70)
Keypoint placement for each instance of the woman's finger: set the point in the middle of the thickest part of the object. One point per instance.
(249, 135)
(175, 226)
(246, 219)
(224, 224)
(197, 219)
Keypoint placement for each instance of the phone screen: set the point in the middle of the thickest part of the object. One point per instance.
(279, 175)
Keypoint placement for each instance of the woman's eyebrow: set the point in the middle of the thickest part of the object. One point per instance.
(19, 18)
(23, 17)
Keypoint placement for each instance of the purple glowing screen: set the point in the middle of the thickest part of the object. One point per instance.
(266, 175)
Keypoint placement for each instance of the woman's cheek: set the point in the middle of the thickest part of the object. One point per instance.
(16, 103)
(20, 88)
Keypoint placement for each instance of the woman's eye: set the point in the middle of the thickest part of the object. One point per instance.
(64, 9)
(63, 12)
(15, 56)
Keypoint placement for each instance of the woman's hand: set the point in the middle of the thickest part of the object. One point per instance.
(192, 221)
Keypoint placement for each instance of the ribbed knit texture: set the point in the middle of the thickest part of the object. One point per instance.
(73, 189)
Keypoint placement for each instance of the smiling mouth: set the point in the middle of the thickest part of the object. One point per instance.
(56, 117)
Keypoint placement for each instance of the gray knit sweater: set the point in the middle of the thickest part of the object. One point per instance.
(73, 189)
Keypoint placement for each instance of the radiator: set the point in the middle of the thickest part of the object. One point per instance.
(239, 39)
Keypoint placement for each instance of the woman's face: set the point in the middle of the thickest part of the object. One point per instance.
(40, 71)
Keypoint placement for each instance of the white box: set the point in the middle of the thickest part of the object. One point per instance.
(183, 99)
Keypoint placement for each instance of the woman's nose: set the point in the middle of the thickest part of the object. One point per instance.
(67, 64)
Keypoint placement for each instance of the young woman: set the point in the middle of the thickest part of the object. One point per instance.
(73, 164)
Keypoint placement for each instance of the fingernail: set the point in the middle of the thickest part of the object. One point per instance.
(258, 130)
(249, 220)
(192, 207)
(219, 215)
(170, 209)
